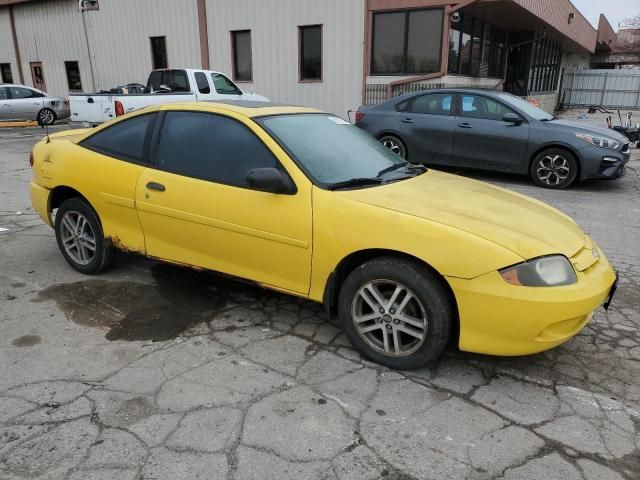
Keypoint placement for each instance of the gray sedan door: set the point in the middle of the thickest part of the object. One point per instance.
(482, 139)
(428, 125)
(25, 103)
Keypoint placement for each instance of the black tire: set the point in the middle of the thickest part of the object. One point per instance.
(554, 168)
(46, 116)
(395, 144)
(424, 285)
(103, 251)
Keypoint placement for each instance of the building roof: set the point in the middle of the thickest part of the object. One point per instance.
(606, 34)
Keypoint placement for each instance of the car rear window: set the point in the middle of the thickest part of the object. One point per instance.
(124, 140)
(176, 80)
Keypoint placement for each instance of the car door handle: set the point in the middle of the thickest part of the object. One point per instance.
(156, 186)
(407, 120)
(465, 125)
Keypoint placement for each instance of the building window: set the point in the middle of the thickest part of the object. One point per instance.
(310, 52)
(476, 48)
(159, 52)
(241, 52)
(5, 73)
(73, 76)
(407, 42)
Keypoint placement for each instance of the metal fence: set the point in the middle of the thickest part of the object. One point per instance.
(606, 88)
(377, 92)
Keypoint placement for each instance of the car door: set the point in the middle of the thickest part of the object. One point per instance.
(5, 107)
(482, 139)
(196, 208)
(25, 103)
(428, 125)
(108, 165)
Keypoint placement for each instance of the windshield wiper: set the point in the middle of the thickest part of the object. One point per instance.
(411, 167)
(355, 182)
(548, 119)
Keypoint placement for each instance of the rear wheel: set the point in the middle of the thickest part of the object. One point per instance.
(394, 144)
(395, 312)
(80, 238)
(46, 116)
(554, 168)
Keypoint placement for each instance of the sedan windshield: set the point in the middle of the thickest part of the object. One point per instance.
(334, 153)
(525, 107)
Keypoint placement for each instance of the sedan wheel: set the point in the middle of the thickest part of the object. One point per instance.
(46, 117)
(554, 168)
(389, 318)
(394, 144)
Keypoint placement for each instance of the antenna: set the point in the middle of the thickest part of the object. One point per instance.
(42, 124)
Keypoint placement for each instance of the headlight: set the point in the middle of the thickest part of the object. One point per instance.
(551, 271)
(601, 142)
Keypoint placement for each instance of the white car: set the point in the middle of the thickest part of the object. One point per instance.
(19, 102)
(163, 86)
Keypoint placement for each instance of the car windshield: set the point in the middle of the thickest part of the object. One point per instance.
(525, 107)
(332, 151)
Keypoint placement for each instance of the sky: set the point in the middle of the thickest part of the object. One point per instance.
(615, 10)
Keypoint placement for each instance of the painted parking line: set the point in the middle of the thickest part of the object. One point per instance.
(25, 123)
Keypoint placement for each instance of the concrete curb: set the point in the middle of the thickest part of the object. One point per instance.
(25, 123)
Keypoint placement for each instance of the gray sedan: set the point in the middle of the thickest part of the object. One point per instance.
(19, 102)
(494, 130)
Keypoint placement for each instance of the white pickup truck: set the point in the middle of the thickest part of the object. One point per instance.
(163, 86)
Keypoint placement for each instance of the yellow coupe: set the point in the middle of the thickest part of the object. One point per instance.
(302, 202)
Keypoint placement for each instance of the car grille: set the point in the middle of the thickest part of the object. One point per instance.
(625, 148)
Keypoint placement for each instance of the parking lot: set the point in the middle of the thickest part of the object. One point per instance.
(159, 372)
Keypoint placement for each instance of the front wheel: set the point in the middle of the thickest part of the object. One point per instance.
(396, 313)
(554, 168)
(80, 238)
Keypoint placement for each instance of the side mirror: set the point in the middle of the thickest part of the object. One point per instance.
(269, 180)
(511, 117)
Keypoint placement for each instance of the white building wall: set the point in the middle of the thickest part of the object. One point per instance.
(274, 41)
(119, 38)
(7, 52)
(51, 32)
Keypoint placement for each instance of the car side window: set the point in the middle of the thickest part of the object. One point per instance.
(4, 93)
(125, 140)
(223, 85)
(477, 106)
(202, 83)
(19, 93)
(432, 104)
(211, 147)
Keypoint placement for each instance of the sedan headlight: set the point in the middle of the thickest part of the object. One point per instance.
(602, 142)
(551, 271)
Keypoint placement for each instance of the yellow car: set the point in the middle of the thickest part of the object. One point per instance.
(302, 202)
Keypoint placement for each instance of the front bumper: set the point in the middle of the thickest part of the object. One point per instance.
(40, 201)
(602, 163)
(497, 318)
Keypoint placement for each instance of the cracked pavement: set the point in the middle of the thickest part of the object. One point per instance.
(157, 372)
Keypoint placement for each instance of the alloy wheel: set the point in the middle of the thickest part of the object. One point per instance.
(553, 170)
(389, 318)
(393, 144)
(46, 117)
(78, 238)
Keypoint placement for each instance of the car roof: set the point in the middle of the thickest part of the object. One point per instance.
(247, 108)
(482, 91)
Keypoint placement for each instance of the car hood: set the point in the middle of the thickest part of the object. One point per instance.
(526, 226)
(581, 127)
(254, 97)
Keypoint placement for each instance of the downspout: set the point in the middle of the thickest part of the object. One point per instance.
(16, 48)
(444, 54)
(203, 34)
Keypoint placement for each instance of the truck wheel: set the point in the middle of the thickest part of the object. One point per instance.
(80, 238)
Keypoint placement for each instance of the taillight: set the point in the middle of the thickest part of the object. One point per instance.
(66, 103)
(31, 159)
(119, 109)
(359, 116)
